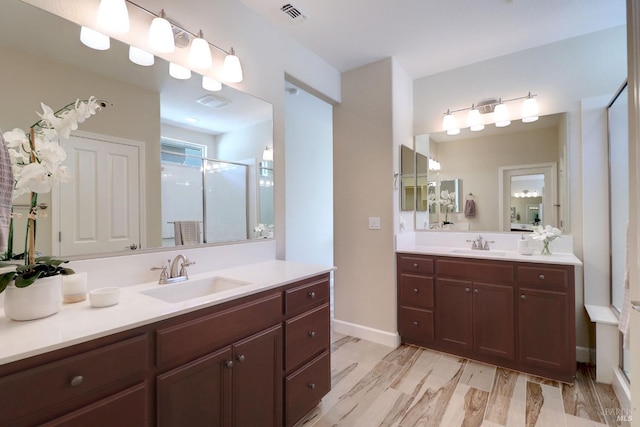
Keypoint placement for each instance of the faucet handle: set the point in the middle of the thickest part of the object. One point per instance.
(183, 267)
(163, 274)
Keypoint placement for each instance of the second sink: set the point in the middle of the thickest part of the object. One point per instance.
(194, 288)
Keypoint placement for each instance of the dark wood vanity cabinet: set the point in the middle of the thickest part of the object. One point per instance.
(512, 314)
(261, 360)
(415, 299)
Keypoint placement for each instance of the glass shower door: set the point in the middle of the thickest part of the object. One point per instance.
(226, 215)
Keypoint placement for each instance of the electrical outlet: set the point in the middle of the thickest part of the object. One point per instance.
(374, 223)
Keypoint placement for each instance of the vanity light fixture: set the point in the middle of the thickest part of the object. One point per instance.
(211, 84)
(94, 39)
(113, 15)
(232, 68)
(140, 56)
(530, 109)
(434, 165)
(200, 53)
(179, 72)
(161, 34)
(474, 119)
(501, 115)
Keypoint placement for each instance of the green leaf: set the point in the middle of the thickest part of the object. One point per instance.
(67, 271)
(27, 279)
(5, 279)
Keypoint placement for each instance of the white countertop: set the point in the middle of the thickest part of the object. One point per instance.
(499, 255)
(80, 322)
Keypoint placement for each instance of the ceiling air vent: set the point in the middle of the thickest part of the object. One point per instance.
(213, 101)
(294, 13)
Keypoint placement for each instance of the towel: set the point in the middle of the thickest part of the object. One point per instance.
(623, 323)
(186, 232)
(470, 208)
(6, 194)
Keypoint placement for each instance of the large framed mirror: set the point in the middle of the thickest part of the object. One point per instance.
(219, 139)
(479, 158)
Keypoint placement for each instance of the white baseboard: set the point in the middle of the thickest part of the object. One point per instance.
(583, 354)
(366, 333)
(621, 388)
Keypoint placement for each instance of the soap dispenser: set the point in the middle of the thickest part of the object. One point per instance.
(523, 246)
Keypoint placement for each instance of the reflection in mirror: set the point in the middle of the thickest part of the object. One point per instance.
(407, 179)
(146, 106)
(526, 202)
(477, 158)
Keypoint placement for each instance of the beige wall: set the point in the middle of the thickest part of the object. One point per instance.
(476, 161)
(27, 81)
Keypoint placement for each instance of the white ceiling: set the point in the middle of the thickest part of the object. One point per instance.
(431, 36)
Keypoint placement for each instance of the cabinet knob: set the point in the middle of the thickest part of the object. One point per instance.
(415, 265)
(467, 289)
(312, 386)
(541, 276)
(476, 291)
(228, 364)
(312, 334)
(415, 290)
(415, 322)
(76, 381)
(240, 358)
(523, 297)
(312, 294)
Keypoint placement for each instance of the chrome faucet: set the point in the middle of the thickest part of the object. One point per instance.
(174, 275)
(479, 245)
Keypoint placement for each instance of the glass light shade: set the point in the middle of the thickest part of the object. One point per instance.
(501, 115)
(113, 15)
(232, 69)
(94, 39)
(161, 35)
(530, 110)
(200, 53)
(450, 124)
(267, 154)
(211, 84)
(140, 57)
(474, 120)
(179, 72)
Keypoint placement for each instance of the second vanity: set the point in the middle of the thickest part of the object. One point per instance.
(497, 307)
(260, 356)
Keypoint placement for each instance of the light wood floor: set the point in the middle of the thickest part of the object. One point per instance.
(373, 385)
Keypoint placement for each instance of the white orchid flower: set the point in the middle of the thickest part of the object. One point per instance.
(48, 117)
(35, 178)
(50, 152)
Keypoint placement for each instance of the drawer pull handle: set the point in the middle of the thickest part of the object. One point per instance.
(240, 358)
(541, 276)
(76, 381)
(476, 291)
(312, 386)
(312, 294)
(415, 290)
(228, 364)
(415, 265)
(523, 297)
(312, 334)
(467, 289)
(415, 323)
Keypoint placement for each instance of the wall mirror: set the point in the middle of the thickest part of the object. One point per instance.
(217, 143)
(479, 159)
(407, 178)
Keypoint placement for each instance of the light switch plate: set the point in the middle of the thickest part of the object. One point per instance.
(374, 223)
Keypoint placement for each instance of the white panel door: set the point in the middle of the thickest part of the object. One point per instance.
(101, 204)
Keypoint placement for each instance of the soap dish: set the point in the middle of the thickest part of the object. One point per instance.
(104, 297)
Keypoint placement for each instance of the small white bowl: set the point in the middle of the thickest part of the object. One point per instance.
(104, 297)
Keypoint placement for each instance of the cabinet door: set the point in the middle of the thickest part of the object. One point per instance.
(544, 335)
(125, 409)
(453, 325)
(257, 380)
(493, 320)
(198, 393)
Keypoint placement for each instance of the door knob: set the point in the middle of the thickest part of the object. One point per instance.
(312, 334)
(229, 364)
(240, 358)
(76, 381)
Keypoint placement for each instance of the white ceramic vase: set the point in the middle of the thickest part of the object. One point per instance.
(41, 299)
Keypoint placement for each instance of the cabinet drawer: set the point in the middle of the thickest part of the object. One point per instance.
(415, 325)
(543, 276)
(415, 264)
(416, 291)
(36, 389)
(125, 409)
(309, 295)
(189, 340)
(476, 270)
(305, 387)
(306, 336)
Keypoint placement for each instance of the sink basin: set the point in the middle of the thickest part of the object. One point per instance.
(477, 252)
(190, 289)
